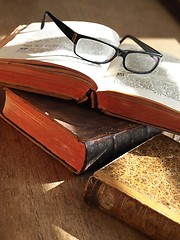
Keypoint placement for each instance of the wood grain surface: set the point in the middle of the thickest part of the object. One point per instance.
(40, 198)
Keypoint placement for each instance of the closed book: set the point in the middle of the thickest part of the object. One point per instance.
(75, 134)
(43, 61)
(142, 188)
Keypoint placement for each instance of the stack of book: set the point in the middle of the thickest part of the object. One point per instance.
(88, 115)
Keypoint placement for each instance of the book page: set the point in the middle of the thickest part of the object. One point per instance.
(50, 45)
(162, 85)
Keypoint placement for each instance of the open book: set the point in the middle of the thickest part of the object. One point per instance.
(43, 61)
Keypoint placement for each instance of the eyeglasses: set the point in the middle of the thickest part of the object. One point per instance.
(100, 52)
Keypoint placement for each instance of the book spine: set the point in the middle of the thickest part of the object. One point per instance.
(130, 210)
(105, 149)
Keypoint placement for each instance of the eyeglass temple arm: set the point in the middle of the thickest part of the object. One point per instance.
(144, 46)
(63, 27)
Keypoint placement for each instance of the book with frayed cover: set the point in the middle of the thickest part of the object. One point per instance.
(142, 188)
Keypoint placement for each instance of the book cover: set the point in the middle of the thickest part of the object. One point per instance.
(43, 61)
(75, 134)
(142, 188)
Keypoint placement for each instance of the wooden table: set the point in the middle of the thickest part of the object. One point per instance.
(40, 198)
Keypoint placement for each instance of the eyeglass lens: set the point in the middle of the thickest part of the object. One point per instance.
(93, 50)
(140, 62)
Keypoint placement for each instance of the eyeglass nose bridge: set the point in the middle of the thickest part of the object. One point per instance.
(121, 53)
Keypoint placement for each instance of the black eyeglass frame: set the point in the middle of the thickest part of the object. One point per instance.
(75, 37)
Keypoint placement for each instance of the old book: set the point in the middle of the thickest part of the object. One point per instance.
(142, 188)
(75, 134)
(43, 61)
